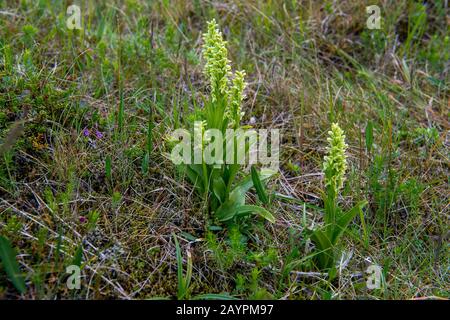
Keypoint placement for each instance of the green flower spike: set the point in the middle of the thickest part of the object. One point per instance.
(236, 96)
(217, 66)
(335, 162)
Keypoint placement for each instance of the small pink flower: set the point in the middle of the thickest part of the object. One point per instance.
(82, 219)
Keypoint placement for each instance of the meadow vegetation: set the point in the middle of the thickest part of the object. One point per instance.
(86, 179)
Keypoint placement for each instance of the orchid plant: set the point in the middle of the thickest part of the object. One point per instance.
(336, 221)
(217, 182)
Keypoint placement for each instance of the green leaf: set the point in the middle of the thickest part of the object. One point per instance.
(194, 177)
(324, 248)
(188, 236)
(77, 258)
(260, 190)
(321, 240)
(247, 182)
(219, 189)
(181, 286)
(227, 210)
(343, 221)
(245, 209)
(8, 258)
(238, 196)
(295, 200)
(183, 282)
(198, 169)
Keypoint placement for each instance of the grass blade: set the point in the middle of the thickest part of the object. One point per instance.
(108, 171)
(181, 281)
(214, 296)
(369, 135)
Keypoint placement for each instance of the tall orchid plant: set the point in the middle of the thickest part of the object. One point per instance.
(222, 110)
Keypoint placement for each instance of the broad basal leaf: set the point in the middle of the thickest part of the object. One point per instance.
(343, 221)
(248, 209)
(247, 182)
(324, 248)
(260, 190)
(229, 208)
(219, 189)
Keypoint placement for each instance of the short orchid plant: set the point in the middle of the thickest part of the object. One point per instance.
(336, 221)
